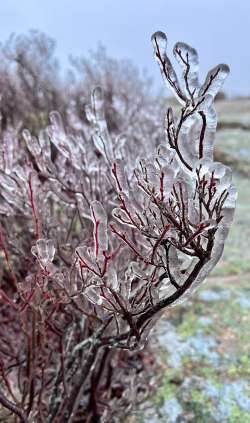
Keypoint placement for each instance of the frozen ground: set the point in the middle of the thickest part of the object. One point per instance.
(205, 356)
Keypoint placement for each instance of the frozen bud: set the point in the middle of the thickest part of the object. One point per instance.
(159, 40)
(214, 80)
(44, 251)
(185, 53)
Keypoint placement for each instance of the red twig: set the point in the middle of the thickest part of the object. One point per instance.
(159, 240)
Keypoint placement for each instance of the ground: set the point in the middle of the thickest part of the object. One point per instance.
(204, 350)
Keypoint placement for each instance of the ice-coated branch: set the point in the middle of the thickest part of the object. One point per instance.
(100, 232)
(197, 120)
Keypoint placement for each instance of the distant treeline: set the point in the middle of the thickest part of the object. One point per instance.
(31, 84)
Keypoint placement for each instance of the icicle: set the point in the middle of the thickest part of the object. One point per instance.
(44, 251)
(57, 134)
(93, 295)
(96, 116)
(112, 280)
(99, 219)
(7, 152)
(97, 102)
(32, 143)
(44, 142)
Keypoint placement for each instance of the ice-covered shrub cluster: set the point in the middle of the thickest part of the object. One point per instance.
(97, 243)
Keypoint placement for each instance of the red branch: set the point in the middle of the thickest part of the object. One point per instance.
(96, 234)
(115, 176)
(161, 186)
(129, 243)
(84, 265)
(159, 240)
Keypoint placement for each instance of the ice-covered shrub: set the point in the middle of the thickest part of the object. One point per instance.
(96, 243)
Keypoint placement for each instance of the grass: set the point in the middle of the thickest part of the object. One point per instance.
(206, 388)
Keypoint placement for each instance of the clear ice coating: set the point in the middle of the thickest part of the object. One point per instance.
(159, 40)
(189, 61)
(32, 143)
(99, 218)
(139, 219)
(214, 80)
(96, 116)
(201, 190)
(44, 251)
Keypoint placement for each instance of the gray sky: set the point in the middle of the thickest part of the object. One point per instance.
(218, 29)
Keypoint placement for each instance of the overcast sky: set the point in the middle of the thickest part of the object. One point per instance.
(218, 29)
